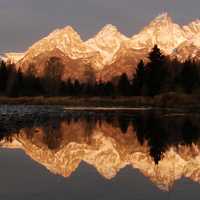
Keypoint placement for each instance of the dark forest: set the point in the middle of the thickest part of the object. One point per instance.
(158, 76)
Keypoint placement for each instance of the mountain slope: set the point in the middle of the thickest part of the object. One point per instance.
(109, 52)
(161, 31)
(192, 29)
(189, 49)
(107, 42)
(68, 41)
(125, 61)
(71, 68)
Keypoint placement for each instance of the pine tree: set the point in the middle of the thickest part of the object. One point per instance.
(124, 87)
(10, 86)
(32, 84)
(138, 79)
(189, 77)
(109, 89)
(69, 88)
(3, 77)
(19, 82)
(17, 88)
(77, 88)
(155, 72)
(100, 88)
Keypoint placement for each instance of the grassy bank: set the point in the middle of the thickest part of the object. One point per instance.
(167, 100)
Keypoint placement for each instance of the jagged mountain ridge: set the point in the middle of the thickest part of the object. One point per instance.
(161, 31)
(68, 41)
(110, 53)
(189, 49)
(107, 42)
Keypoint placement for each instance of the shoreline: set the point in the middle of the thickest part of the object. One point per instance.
(165, 101)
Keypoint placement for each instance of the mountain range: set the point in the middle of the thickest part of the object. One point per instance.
(110, 53)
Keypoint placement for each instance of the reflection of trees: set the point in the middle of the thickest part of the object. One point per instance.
(152, 128)
(162, 132)
(89, 125)
(123, 123)
(190, 132)
(159, 130)
(52, 136)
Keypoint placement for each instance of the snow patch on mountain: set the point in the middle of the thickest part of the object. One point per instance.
(161, 31)
(107, 42)
(109, 46)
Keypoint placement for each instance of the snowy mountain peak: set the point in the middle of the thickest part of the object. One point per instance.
(66, 28)
(192, 28)
(107, 42)
(108, 29)
(66, 40)
(161, 31)
(109, 46)
(66, 32)
(69, 28)
(163, 17)
(71, 31)
(195, 22)
(162, 20)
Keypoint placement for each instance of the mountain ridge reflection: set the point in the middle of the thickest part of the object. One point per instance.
(163, 147)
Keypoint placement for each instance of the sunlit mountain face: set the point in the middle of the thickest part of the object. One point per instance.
(110, 53)
(163, 147)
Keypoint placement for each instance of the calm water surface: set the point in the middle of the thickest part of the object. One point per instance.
(55, 153)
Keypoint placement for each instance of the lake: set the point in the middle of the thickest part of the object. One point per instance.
(53, 152)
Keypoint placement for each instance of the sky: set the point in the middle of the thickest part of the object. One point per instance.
(23, 22)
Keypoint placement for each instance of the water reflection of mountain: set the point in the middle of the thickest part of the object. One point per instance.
(164, 147)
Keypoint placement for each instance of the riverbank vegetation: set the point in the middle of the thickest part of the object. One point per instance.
(170, 100)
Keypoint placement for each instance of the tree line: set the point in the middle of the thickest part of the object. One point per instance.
(159, 75)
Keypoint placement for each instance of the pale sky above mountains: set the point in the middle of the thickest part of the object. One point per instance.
(22, 22)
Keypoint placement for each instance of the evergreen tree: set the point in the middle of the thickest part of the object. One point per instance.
(124, 87)
(77, 88)
(109, 89)
(155, 72)
(88, 89)
(10, 86)
(17, 88)
(138, 79)
(99, 89)
(3, 77)
(69, 88)
(19, 83)
(189, 77)
(32, 84)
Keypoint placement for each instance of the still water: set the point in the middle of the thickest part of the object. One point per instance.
(49, 153)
